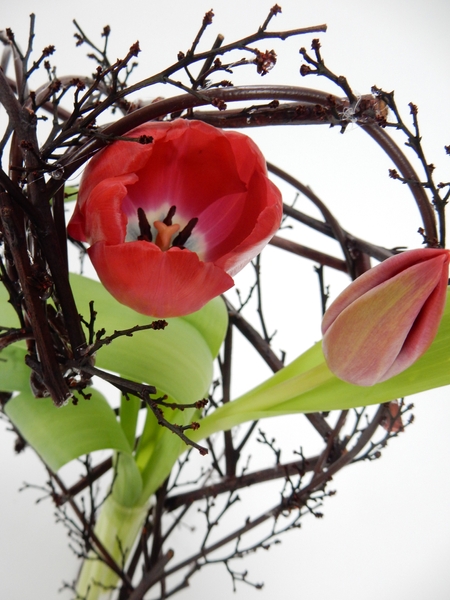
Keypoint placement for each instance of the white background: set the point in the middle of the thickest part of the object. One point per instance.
(386, 533)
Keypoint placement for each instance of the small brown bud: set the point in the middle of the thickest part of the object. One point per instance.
(134, 49)
(208, 18)
(48, 50)
(305, 70)
(219, 103)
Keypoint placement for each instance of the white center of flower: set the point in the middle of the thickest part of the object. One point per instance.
(157, 226)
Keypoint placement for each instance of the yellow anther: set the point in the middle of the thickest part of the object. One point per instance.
(165, 233)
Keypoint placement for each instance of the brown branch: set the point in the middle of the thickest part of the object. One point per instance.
(300, 497)
(15, 237)
(377, 252)
(338, 232)
(151, 577)
(183, 102)
(310, 253)
(255, 93)
(404, 166)
(228, 484)
(332, 439)
(231, 456)
(85, 482)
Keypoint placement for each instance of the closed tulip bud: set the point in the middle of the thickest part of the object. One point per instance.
(387, 318)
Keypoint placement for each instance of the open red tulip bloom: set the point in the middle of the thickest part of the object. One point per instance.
(387, 318)
(171, 221)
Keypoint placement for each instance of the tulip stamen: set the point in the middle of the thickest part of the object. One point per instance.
(185, 233)
(144, 227)
(170, 214)
(165, 229)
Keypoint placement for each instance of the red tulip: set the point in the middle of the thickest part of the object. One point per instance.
(387, 318)
(170, 222)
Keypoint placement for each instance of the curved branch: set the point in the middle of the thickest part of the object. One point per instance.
(404, 166)
(310, 253)
(228, 484)
(377, 252)
(256, 93)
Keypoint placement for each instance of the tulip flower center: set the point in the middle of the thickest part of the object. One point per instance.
(165, 230)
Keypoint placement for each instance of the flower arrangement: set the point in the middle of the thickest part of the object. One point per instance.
(173, 203)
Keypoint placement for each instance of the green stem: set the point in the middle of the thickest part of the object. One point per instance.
(116, 522)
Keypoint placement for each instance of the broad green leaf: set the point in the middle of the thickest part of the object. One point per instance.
(177, 360)
(14, 373)
(127, 486)
(156, 357)
(129, 411)
(159, 449)
(8, 316)
(60, 435)
(211, 322)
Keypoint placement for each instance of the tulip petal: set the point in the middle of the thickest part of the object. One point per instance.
(376, 332)
(190, 172)
(106, 220)
(265, 227)
(119, 158)
(370, 279)
(157, 283)
(424, 329)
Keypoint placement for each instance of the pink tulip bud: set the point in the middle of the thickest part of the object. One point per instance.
(387, 318)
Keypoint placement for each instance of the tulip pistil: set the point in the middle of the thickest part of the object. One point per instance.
(166, 229)
(165, 233)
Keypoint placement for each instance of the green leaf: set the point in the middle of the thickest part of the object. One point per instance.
(117, 528)
(159, 449)
(8, 316)
(60, 435)
(129, 412)
(177, 360)
(14, 373)
(211, 322)
(127, 486)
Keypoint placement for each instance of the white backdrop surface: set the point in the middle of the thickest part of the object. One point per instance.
(386, 534)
